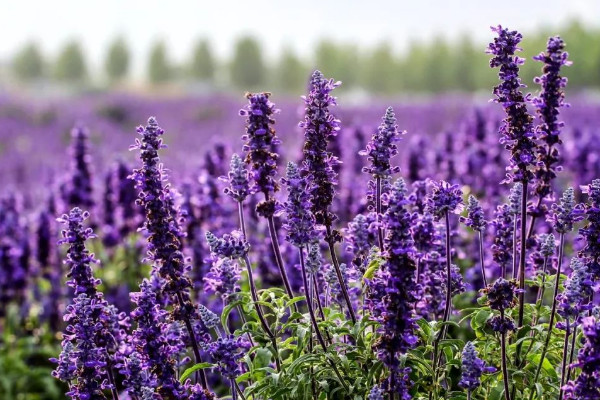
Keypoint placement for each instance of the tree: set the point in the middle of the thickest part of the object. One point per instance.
(292, 75)
(70, 65)
(159, 70)
(28, 63)
(247, 68)
(203, 63)
(117, 60)
(380, 70)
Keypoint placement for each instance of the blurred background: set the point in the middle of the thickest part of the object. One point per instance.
(383, 48)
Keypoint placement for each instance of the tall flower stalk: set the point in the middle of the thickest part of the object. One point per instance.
(380, 149)
(164, 246)
(476, 220)
(548, 104)
(517, 136)
(320, 126)
(260, 140)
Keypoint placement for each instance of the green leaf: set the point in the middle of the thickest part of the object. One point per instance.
(193, 369)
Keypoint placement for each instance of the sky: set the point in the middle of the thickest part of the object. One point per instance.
(277, 24)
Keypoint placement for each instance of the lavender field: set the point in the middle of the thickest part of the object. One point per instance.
(325, 247)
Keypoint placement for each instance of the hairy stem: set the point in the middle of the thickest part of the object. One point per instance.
(565, 356)
(553, 311)
(522, 268)
(278, 258)
(481, 259)
(338, 272)
(504, 366)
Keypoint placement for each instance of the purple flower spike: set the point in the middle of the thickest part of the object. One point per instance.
(260, 139)
(566, 213)
(445, 198)
(550, 100)
(517, 129)
(319, 127)
(475, 217)
(238, 188)
(587, 384)
(472, 368)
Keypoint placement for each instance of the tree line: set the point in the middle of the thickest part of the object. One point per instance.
(434, 66)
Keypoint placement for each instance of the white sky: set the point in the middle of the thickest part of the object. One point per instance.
(299, 23)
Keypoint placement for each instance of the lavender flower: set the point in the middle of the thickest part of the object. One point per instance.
(475, 217)
(319, 127)
(300, 222)
(514, 199)
(360, 236)
(80, 349)
(502, 246)
(232, 245)
(238, 188)
(587, 385)
(578, 287)
(501, 297)
(380, 149)
(547, 245)
(227, 353)
(396, 308)
(566, 213)
(548, 104)
(472, 368)
(79, 258)
(209, 318)
(223, 278)
(444, 198)
(376, 393)
(260, 138)
(591, 232)
(79, 190)
(151, 342)
(517, 129)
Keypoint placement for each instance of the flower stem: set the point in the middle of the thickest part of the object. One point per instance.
(481, 259)
(313, 318)
(564, 360)
(193, 340)
(553, 312)
(261, 317)
(338, 272)
(572, 355)
(378, 211)
(504, 366)
(515, 256)
(522, 269)
(278, 258)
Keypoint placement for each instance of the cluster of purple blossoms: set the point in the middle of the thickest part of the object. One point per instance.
(149, 339)
(514, 199)
(395, 312)
(260, 140)
(517, 129)
(547, 244)
(578, 287)
(504, 226)
(380, 149)
(162, 224)
(360, 236)
(587, 384)
(232, 245)
(472, 368)
(591, 232)
(227, 353)
(300, 222)
(96, 329)
(223, 278)
(566, 212)
(319, 127)
(239, 186)
(445, 198)
(547, 104)
(501, 297)
(376, 393)
(425, 234)
(78, 192)
(475, 218)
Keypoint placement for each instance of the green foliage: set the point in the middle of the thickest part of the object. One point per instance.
(247, 67)
(70, 66)
(203, 63)
(28, 63)
(117, 60)
(159, 68)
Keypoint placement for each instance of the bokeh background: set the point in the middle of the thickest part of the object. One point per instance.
(392, 48)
